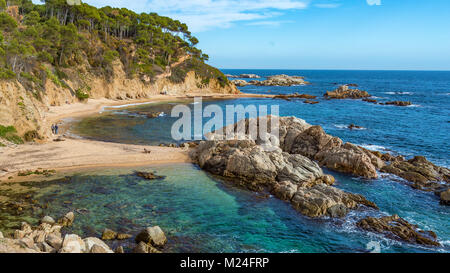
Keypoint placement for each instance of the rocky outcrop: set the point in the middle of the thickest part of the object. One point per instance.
(344, 92)
(397, 228)
(354, 127)
(331, 152)
(398, 103)
(294, 96)
(423, 174)
(445, 197)
(290, 177)
(240, 83)
(281, 80)
(244, 76)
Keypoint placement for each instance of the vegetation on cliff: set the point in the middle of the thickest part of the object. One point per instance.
(37, 42)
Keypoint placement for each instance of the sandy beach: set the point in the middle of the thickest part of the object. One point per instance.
(81, 153)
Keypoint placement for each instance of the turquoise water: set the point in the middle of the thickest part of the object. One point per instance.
(204, 214)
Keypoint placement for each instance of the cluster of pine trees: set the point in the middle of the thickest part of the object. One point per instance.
(62, 34)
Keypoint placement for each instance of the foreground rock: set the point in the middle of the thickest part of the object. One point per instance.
(344, 92)
(397, 228)
(291, 177)
(150, 240)
(47, 238)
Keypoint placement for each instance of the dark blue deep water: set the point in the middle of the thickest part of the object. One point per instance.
(203, 214)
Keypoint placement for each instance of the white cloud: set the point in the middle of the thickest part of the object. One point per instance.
(374, 2)
(327, 6)
(269, 23)
(201, 15)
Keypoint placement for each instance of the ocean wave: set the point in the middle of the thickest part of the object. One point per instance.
(105, 108)
(399, 93)
(373, 147)
(344, 126)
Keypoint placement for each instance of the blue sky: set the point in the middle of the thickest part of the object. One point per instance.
(313, 34)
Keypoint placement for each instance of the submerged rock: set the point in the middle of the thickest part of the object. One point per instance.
(397, 228)
(149, 175)
(344, 92)
(151, 114)
(109, 234)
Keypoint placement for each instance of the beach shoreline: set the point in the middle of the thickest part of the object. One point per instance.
(74, 153)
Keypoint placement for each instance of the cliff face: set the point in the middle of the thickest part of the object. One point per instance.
(25, 109)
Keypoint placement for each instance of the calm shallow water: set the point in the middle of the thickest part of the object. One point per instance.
(203, 214)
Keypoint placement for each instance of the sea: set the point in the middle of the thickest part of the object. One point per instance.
(203, 213)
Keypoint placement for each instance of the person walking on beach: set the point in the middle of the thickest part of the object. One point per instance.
(53, 128)
(56, 128)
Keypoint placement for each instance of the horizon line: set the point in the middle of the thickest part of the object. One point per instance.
(341, 69)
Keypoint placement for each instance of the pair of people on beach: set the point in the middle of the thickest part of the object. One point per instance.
(55, 129)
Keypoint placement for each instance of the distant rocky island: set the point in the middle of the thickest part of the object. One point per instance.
(276, 80)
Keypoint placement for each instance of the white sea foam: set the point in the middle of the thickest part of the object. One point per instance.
(399, 93)
(343, 126)
(104, 108)
(373, 147)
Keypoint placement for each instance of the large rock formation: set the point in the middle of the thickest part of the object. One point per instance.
(344, 92)
(292, 177)
(397, 228)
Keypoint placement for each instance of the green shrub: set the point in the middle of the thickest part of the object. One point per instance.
(7, 74)
(81, 95)
(9, 133)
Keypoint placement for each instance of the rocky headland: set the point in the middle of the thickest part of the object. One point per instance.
(291, 170)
